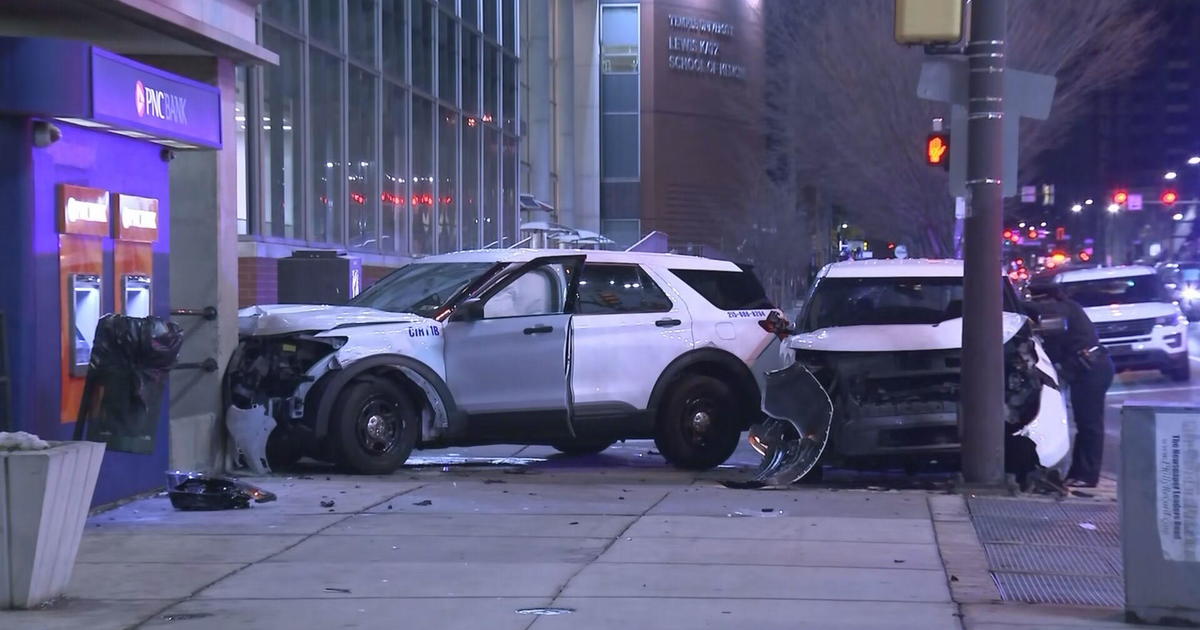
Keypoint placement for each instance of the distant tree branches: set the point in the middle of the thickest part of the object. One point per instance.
(842, 111)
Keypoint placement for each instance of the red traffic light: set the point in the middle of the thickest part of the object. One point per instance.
(1169, 197)
(937, 149)
(1033, 233)
(1120, 197)
(1008, 234)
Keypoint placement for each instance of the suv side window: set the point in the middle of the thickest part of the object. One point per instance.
(727, 290)
(612, 289)
(538, 291)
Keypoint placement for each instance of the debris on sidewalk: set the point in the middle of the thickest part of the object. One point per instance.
(331, 589)
(327, 503)
(201, 491)
(424, 503)
(545, 611)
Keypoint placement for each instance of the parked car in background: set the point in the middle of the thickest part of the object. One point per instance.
(1135, 317)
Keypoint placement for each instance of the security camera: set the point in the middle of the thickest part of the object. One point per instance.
(167, 155)
(45, 134)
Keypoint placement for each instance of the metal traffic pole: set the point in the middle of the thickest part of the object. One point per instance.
(982, 412)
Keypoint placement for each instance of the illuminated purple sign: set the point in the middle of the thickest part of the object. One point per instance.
(135, 96)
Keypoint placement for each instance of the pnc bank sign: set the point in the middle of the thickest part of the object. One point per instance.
(159, 104)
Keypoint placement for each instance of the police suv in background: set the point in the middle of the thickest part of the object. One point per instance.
(1135, 317)
(574, 349)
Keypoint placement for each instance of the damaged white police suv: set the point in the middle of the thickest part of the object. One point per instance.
(574, 349)
(873, 379)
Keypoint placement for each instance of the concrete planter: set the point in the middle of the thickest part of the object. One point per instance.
(44, 500)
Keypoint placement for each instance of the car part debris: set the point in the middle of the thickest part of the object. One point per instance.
(250, 429)
(200, 491)
(796, 432)
(423, 503)
(327, 503)
(545, 611)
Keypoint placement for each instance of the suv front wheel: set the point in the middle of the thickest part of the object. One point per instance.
(375, 426)
(697, 426)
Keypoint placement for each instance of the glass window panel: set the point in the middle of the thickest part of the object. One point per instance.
(619, 93)
(509, 19)
(395, 197)
(328, 201)
(618, 39)
(489, 17)
(447, 58)
(239, 117)
(279, 149)
(490, 203)
(510, 93)
(361, 23)
(469, 9)
(470, 183)
(394, 33)
(325, 22)
(448, 201)
(470, 73)
(422, 44)
(422, 172)
(491, 84)
(285, 12)
(619, 137)
(448, 5)
(509, 219)
(361, 168)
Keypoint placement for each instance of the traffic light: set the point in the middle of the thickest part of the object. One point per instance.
(1120, 197)
(1168, 197)
(937, 149)
(1060, 233)
(1008, 234)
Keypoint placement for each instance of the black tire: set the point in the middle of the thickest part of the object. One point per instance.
(374, 426)
(1180, 371)
(582, 448)
(698, 425)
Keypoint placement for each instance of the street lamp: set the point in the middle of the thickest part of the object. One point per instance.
(1170, 175)
(845, 226)
(1114, 208)
(1178, 216)
(1077, 208)
(1194, 160)
(1088, 202)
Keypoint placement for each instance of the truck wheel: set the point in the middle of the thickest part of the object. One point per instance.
(582, 448)
(1180, 371)
(697, 426)
(375, 426)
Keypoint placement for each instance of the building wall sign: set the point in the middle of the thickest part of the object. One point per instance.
(696, 45)
(82, 210)
(137, 219)
(131, 95)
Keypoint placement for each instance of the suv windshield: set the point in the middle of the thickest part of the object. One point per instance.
(420, 288)
(885, 301)
(1105, 291)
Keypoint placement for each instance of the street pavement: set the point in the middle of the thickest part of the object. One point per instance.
(482, 537)
(1145, 388)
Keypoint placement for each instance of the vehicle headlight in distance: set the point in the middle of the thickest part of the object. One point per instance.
(1167, 320)
(1191, 293)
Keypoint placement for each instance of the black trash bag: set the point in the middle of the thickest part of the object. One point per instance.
(199, 491)
(127, 373)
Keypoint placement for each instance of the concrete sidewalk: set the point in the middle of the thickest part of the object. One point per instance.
(631, 545)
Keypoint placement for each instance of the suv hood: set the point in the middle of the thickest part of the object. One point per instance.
(277, 319)
(894, 337)
(1125, 312)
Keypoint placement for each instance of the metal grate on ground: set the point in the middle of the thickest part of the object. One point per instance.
(1047, 552)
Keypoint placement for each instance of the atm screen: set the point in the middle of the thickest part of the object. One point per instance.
(85, 315)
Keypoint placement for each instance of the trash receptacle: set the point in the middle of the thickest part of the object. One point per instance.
(1160, 512)
(318, 277)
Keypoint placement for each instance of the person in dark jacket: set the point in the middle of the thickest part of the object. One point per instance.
(1084, 365)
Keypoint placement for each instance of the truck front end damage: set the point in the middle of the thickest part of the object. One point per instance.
(893, 407)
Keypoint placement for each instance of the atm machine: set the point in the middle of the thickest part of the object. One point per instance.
(136, 299)
(133, 260)
(84, 310)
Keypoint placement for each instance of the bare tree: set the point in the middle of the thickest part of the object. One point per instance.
(842, 110)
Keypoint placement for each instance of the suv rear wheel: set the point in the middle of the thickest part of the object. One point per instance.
(697, 426)
(375, 426)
